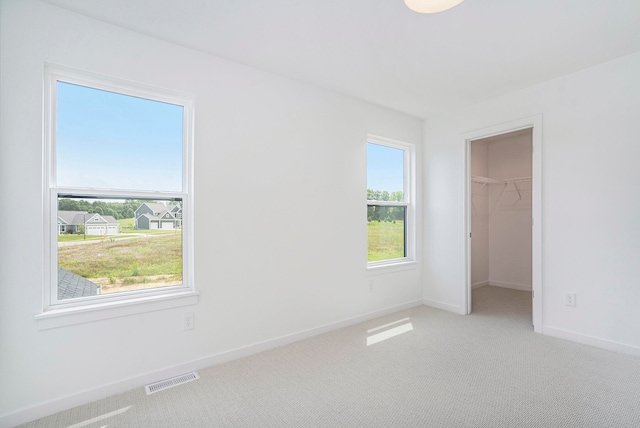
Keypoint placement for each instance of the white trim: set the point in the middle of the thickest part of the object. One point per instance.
(59, 404)
(106, 305)
(511, 285)
(535, 123)
(409, 193)
(479, 284)
(394, 265)
(597, 342)
(388, 142)
(113, 84)
(116, 194)
(444, 306)
(100, 310)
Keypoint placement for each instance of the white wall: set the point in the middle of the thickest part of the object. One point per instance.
(280, 179)
(509, 156)
(590, 208)
(480, 250)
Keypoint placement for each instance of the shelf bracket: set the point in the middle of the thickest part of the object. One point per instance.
(517, 190)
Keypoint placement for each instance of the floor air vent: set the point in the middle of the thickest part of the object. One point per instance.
(170, 383)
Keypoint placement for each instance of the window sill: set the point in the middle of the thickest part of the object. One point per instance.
(99, 311)
(392, 266)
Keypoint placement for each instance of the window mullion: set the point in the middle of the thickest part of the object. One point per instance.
(92, 193)
(387, 203)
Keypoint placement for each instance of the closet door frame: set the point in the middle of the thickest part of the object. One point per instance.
(535, 124)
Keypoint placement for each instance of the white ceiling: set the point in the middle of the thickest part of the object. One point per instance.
(380, 51)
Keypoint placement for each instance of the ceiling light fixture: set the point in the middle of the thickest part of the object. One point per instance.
(431, 6)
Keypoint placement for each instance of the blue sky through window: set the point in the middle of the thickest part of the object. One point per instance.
(108, 140)
(385, 168)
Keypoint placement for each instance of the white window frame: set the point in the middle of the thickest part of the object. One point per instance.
(55, 312)
(409, 203)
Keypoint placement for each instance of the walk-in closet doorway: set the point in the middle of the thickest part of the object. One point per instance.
(503, 200)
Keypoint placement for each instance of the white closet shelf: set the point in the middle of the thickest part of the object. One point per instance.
(487, 180)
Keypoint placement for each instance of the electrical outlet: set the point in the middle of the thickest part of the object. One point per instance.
(570, 299)
(187, 321)
(371, 283)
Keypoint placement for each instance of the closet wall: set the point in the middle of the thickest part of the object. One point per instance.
(501, 211)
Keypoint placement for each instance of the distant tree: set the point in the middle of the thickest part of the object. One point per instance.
(397, 196)
(68, 205)
(385, 195)
(118, 210)
(373, 213)
(110, 211)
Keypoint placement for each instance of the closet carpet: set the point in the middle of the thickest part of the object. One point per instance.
(487, 369)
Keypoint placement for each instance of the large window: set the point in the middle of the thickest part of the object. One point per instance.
(389, 202)
(119, 198)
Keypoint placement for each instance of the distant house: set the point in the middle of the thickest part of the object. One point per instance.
(94, 224)
(153, 215)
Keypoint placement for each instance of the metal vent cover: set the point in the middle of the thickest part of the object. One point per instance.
(170, 383)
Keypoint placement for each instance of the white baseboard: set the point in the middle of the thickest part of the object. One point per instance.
(479, 284)
(521, 287)
(592, 341)
(444, 306)
(56, 405)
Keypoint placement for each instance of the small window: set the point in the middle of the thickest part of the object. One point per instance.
(389, 202)
(118, 163)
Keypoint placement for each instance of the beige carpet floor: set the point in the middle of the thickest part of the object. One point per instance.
(422, 368)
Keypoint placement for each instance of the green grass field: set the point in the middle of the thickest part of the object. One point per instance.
(126, 224)
(138, 260)
(78, 237)
(386, 240)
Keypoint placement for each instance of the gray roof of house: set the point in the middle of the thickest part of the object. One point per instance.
(110, 219)
(158, 217)
(71, 285)
(73, 217)
(158, 207)
(80, 217)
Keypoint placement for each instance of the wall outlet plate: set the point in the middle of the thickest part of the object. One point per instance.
(187, 321)
(570, 299)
